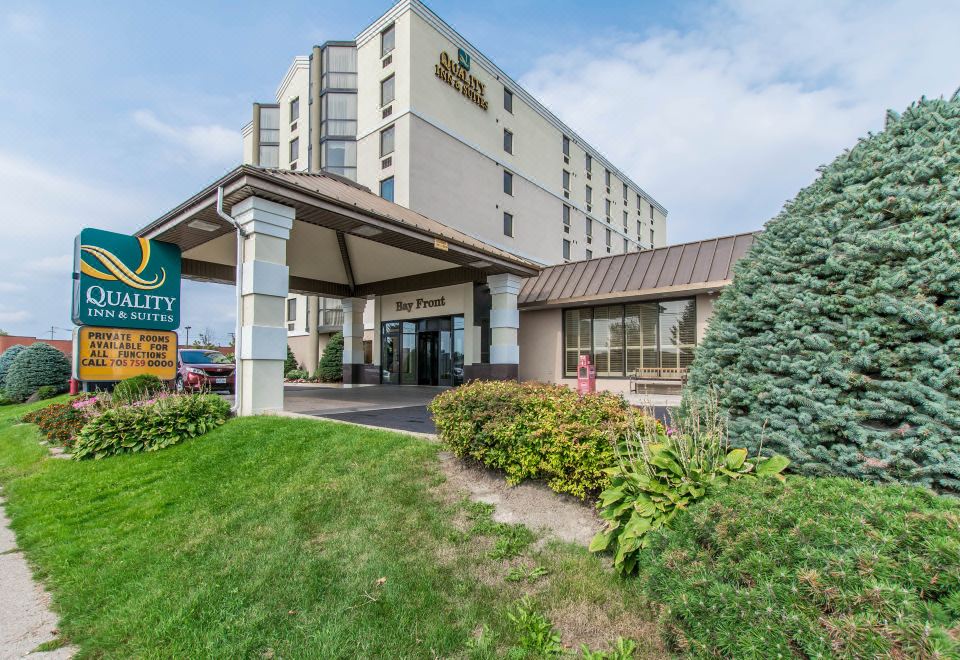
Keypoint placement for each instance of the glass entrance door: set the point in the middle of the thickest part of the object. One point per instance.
(423, 352)
(428, 362)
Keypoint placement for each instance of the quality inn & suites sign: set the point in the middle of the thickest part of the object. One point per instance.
(123, 281)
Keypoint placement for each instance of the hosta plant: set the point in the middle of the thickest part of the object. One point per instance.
(661, 473)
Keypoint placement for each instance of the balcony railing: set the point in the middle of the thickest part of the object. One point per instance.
(332, 317)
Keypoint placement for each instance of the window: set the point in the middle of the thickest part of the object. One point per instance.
(626, 246)
(387, 90)
(566, 215)
(566, 249)
(387, 40)
(295, 109)
(589, 163)
(339, 68)
(639, 203)
(507, 141)
(386, 189)
(609, 237)
(508, 100)
(270, 155)
(606, 179)
(291, 309)
(639, 229)
(589, 254)
(294, 149)
(339, 157)
(608, 205)
(566, 146)
(656, 339)
(386, 140)
(508, 224)
(651, 237)
(339, 115)
(626, 220)
(589, 195)
(626, 194)
(651, 211)
(566, 180)
(589, 226)
(507, 182)
(270, 125)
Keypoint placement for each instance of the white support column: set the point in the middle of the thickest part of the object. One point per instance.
(353, 340)
(264, 286)
(504, 323)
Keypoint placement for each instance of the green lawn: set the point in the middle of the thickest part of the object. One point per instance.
(271, 537)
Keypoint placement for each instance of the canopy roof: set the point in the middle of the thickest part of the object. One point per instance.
(346, 241)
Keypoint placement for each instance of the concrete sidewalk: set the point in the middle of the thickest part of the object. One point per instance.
(26, 620)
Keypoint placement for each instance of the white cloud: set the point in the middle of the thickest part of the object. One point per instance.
(725, 122)
(8, 315)
(58, 265)
(208, 143)
(24, 24)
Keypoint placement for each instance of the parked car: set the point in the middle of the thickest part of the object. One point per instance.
(201, 369)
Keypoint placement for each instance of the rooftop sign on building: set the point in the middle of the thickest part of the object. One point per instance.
(456, 73)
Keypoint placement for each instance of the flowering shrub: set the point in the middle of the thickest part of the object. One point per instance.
(137, 388)
(150, 424)
(59, 422)
(534, 431)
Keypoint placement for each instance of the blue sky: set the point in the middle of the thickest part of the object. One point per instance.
(115, 111)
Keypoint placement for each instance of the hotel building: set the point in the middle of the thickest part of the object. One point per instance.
(412, 111)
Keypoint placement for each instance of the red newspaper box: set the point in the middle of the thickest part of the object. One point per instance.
(586, 376)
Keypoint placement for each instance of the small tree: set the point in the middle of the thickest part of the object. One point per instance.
(6, 361)
(39, 365)
(4, 333)
(290, 364)
(331, 364)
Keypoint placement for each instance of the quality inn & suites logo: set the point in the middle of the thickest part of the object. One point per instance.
(125, 281)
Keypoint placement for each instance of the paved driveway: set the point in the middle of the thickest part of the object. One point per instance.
(388, 406)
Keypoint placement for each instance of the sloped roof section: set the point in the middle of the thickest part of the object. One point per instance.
(679, 269)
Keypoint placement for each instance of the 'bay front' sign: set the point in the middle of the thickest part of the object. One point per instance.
(123, 281)
(456, 73)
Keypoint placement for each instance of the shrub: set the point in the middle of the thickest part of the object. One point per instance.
(330, 369)
(136, 388)
(660, 473)
(39, 365)
(841, 329)
(149, 426)
(59, 422)
(534, 431)
(6, 360)
(290, 364)
(811, 568)
(47, 392)
(297, 374)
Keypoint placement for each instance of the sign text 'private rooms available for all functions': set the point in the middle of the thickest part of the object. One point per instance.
(109, 354)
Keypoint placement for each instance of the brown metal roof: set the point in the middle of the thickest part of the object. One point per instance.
(687, 267)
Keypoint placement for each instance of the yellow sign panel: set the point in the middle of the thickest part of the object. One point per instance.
(107, 354)
(441, 244)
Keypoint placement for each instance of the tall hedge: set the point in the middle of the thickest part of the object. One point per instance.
(330, 369)
(838, 343)
(6, 361)
(37, 366)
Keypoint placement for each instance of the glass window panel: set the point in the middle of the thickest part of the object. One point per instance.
(408, 373)
(295, 109)
(270, 118)
(608, 340)
(678, 331)
(577, 332)
(387, 40)
(270, 156)
(507, 100)
(386, 189)
(640, 321)
(387, 90)
(386, 140)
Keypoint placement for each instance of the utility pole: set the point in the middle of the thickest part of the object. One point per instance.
(187, 328)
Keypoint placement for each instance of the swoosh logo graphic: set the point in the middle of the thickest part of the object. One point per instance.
(117, 271)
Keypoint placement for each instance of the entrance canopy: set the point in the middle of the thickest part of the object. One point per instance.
(345, 240)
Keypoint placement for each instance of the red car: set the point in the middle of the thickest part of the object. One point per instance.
(200, 369)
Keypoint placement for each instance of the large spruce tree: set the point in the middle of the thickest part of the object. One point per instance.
(838, 343)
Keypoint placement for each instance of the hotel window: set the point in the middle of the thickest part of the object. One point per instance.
(608, 206)
(386, 140)
(507, 141)
(626, 220)
(609, 237)
(508, 224)
(566, 249)
(566, 180)
(387, 40)
(339, 115)
(606, 179)
(339, 157)
(269, 155)
(269, 137)
(626, 195)
(589, 163)
(387, 90)
(295, 109)
(589, 195)
(626, 246)
(508, 100)
(386, 189)
(651, 211)
(589, 254)
(291, 309)
(294, 149)
(589, 226)
(639, 203)
(566, 218)
(507, 182)
(566, 146)
(651, 238)
(656, 339)
(339, 68)
(639, 229)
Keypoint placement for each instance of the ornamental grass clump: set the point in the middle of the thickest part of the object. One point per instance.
(838, 339)
(150, 424)
(534, 431)
(661, 472)
(810, 568)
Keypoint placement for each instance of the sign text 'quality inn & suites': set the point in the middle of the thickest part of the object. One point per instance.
(456, 73)
(125, 282)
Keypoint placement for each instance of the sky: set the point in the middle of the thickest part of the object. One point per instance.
(112, 113)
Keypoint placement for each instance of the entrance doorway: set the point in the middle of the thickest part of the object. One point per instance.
(422, 352)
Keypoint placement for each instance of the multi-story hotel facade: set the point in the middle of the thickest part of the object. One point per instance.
(410, 110)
